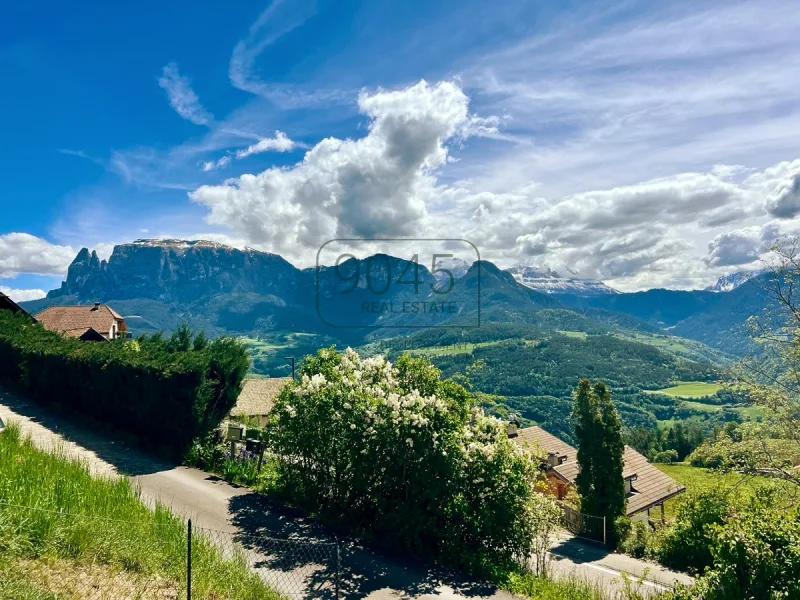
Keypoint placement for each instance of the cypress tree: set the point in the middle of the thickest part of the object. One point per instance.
(586, 416)
(600, 452)
(608, 483)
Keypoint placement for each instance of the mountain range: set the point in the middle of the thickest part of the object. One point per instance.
(524, 349)
(157, 284)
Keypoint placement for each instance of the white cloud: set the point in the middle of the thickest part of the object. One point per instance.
(182, 97)
(387, 184)
(375, 186)
(279, 143)
(784, 201)
(24, 253)
(220, 163)
(280, 18)
(742, 246)
(22, 295)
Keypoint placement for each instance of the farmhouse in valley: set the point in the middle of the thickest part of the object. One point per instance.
(7, 303)
(257, 399)
(646, 487)
(89, 323)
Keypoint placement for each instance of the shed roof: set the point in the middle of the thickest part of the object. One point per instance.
(75, 320)
(258, 396)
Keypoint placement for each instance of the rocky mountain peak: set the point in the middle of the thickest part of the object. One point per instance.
(550, 282)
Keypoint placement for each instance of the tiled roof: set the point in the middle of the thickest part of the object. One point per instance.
(650, 487)
(546, 441)
(69, 319)
(568, 471)
(258, 396)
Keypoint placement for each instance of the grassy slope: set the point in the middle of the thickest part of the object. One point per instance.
(697, 479)
(94, 531)
(691, 389)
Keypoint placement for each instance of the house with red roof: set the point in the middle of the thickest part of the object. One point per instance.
(90, 323)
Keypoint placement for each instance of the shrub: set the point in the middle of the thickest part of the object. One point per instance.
(399, 455)
(164, 390)
(686, 545)
(666, 457)
(756, 554)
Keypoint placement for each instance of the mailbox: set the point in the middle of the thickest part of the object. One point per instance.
(254, 446)
(235, 432)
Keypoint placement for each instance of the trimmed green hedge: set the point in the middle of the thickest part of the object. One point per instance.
(166, 390)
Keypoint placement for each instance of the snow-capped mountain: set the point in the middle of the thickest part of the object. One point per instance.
(550, 282)
(456, 266)
(726, 283)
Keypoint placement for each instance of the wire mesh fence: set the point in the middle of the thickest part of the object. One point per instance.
(55, 555)
(293, 568)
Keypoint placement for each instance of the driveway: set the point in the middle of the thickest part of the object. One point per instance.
(226, 513)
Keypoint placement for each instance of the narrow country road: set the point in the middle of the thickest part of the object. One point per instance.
(228, 513)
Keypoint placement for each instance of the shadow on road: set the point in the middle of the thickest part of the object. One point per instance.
(288, 542)
(112, 448)
(579, 551)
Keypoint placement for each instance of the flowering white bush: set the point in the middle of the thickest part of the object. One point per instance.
(397, 454)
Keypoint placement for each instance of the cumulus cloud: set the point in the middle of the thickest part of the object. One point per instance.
(182, 97)
(375, 186)
(784, 201)
(25, 253)
(740, 246)
(22, 295)
(387, 184)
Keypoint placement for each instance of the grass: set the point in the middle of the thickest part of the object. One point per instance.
(579, 335)
(697, 479)
(79, 535)
(690, 389)
(573, 588)
(454, 349)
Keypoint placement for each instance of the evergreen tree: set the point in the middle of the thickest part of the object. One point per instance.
(600, 452)
(586, 418)
(608, 483)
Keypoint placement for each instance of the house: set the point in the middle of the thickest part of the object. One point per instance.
(646, 487)
(7, 303)
(257, 399)
(89, 323)
(558, 453)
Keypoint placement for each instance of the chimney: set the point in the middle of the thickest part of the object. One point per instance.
(96, 306)
(512, 426)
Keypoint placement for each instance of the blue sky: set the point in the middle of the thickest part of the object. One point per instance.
(644, 145)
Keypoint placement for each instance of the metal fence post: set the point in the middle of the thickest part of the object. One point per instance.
(189, 562)
(604, 531)
(338, 568)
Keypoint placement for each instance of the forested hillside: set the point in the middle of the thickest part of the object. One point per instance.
(532, 371)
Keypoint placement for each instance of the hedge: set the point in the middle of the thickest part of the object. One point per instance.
(167, 391)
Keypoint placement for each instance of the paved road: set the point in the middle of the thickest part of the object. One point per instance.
(230, 512)
(571, 556)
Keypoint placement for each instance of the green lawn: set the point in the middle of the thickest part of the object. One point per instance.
(699, 479)
(448, 350)
(580, 335)
(690, 389)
